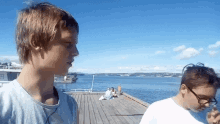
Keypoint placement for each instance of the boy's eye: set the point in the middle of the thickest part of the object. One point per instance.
(69, 45)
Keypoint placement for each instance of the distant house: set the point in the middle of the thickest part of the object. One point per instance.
(3, 67)
(10, 65)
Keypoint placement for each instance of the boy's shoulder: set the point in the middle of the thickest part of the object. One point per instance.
(162, 103)
(6, 91)
(6, 99)
(69, 102)
(162, 106)
(67, 98)
(7, 87)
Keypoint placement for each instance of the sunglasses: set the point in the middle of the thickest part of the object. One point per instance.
(201, 100)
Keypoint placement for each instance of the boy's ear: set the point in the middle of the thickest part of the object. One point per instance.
(35, 48)
(183, 89)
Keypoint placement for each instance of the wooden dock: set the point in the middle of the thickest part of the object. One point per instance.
(122, 110)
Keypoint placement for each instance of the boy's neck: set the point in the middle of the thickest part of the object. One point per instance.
(180, 101)
(38, 84)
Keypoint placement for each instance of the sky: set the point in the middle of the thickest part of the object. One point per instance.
(129, 36)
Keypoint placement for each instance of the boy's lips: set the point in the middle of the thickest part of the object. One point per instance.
(70, 63)
(201, 109)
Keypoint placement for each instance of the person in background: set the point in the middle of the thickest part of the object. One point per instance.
(119, 90)
(46, 38)
(197, 92)
(107, 96)
(114, 92)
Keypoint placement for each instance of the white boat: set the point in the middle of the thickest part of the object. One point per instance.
(65, 79)
(124, 75)
(141, 76)
(7, 75)
(167, 76)
(9, 71)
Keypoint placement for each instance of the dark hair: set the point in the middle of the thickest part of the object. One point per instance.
(199, 75)
(37, 25)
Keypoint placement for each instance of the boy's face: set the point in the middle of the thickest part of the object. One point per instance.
(61, 52)
(201, 94)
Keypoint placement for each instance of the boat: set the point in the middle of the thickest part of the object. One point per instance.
(7, 75)
(9, 72)
(168, 76)
(124, 75)
(141, 75)
(70, 78)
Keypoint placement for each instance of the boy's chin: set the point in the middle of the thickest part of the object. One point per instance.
(62, 73)
(196, 110)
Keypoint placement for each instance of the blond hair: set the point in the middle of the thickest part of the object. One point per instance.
(37, 25)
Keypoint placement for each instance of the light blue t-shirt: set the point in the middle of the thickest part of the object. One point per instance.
(18, 107)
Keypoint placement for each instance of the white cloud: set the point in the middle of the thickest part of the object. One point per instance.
(188, 53)
(159, 52)
(201, 49)
(16, 64)
(179, 48)
(216, 45)
(160, 68)
(107, 71)
(124, 57)
(81, 70)
(212, 53)
(9, 59)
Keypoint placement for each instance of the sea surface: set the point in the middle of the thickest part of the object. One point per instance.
(148, 89)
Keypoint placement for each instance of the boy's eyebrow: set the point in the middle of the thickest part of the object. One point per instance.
(67, 40)
(204, 96)
(70, 42)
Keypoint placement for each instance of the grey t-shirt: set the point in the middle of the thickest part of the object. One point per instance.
(17, 106)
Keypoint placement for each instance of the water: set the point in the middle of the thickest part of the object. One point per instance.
(148, 89)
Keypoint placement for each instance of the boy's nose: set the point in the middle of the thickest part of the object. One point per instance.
(207, 104)
(75, 51)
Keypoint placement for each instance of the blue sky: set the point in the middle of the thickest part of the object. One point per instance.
(132, 36)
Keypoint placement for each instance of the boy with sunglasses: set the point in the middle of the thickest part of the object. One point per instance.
(197, 91)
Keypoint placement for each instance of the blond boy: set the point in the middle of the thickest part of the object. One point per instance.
(46, 38)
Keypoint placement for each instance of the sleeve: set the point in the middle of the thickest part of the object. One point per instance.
(149, 116)
(74, 108)
(5, 107)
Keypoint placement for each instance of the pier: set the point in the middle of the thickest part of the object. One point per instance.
(124, 109)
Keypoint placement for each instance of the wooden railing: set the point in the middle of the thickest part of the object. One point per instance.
(136, 100)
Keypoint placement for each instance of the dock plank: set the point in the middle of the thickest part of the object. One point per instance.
(107, 110)
(96, 112)
(100, 109)
(121, 119)
(91, 111)
(121, 110)
(87, 117)
(112, 112)
(82, 110)
(128, 106)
